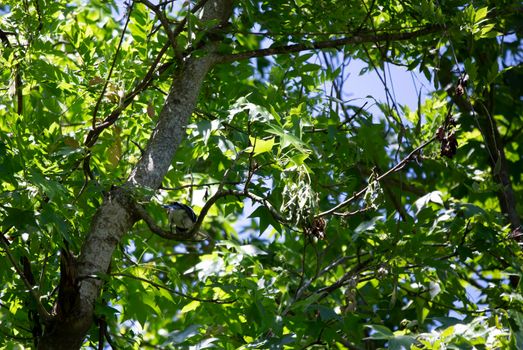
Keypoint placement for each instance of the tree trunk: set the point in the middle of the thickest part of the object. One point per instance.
(73, 313)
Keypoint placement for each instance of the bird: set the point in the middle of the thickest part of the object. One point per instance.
(181, 216)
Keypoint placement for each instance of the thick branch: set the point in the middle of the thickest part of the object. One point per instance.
(92, 136)
(328, 44)
(142, 213)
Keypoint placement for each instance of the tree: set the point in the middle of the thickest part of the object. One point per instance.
(379, 222)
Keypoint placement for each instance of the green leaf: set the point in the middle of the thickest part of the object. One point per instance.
(402, 342)
(266, 219)
(261, 146)
(287, 139)
(53, 189)
(379, 332)
(193, 305)
(480, 14)
(423, 202)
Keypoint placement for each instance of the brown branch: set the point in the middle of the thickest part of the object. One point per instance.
(142, 214)
(99, 101)
(349, 274)
(394, 169)
(163, 3)
(275, 214)
(18, 91)
(498, 162)
(115, 216)
(308, 33)
(220, 193)
(18, 79)
(234, 183)
(102, 331)
(349, 119)
(46, 316)
(355, 212)
(329, 44)
(94, 133)
(307, 284)
(367, 15)
(395, 182)
(163, 20)
(396, 203)
(487, 125)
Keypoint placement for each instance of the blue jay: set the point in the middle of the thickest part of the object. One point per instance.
(181, 216)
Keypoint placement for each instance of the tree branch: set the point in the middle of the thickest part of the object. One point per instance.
(487, 125)
(99, 101)
(18, 79)
(142, 213)
(46, 316)
(394, 169)
(360, 267)
(163, 20)
(328, 44)
(94, 133)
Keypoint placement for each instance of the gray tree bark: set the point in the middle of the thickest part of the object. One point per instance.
(73, 314)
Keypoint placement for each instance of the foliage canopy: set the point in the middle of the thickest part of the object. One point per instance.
(371, 224)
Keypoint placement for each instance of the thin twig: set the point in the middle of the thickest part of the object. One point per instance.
(113, 64)
(320, 273)
(340, 282)
(46, 316)
(394, 169)
(163, 20)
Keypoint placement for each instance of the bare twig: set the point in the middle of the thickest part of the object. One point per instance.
(244, 193)
(349, 119)
(341, 281)
(320, 273)
(302, 274)
(233, 183)
(355, 212)
(394, 169)
(93, 134)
